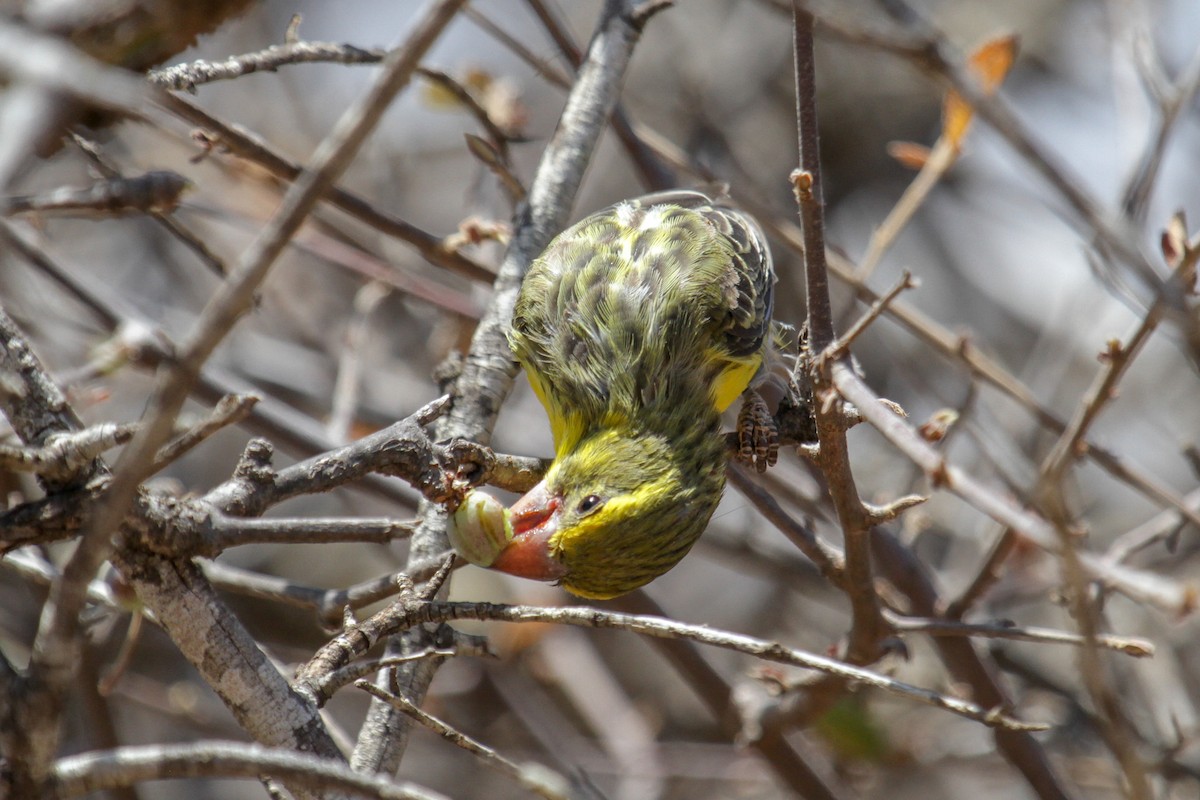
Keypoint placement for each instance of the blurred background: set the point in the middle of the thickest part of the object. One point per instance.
(351, 324)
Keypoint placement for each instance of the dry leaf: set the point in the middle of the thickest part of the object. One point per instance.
(909, 154)
(990, 63)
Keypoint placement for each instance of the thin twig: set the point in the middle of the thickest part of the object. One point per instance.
(516, 473)
(262, 587)
(484, 152)
(403, 615)
(654, 174)
(843, 342)
(1116, 361)
(827, 557)
(230, 410)
(91, 150)
(29, 563)
(129, 766)
(538, 779)
(19, 242)
(1159, 527)
(344, 403)
(334, 602)
(186, 77)
(253, 149)
(353, 672)
(498, 138)
(941, 158)
(1135, 200)
(967, 665)
(1156, 589)
(988, 574)
(236, 531)
(402, 449)
(149, 192)
(65, 455)
(1129, 645)
(790, 763)
(541, 66)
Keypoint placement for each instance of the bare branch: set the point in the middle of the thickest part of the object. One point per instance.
(1129, 645)
(347, 675)
(33, 405)
(128, 766)
(886, 513)
(402, 449)
(251, 148)
(988, 574)
(234, 531)
(186, 77)
(153, 191)
(868, 628)
(1171, 101)
(57, 642)
(405, 614)
(65, 455)
(498, 138)
(91, 150)
(1161, 591)
(216, 643)
(791, 764)
(824, 555)
(907, 573)
(538, 779)
(841, 345)
(655, 175)
(230, 410)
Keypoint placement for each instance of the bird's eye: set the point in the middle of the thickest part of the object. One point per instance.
(589, 504)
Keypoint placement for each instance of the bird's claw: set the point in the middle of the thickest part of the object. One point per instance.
(758, 436)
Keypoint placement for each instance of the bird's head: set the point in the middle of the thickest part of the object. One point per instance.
(612, 515)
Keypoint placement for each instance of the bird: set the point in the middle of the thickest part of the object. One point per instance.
(637, 327)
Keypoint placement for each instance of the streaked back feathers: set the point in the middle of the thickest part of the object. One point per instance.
(641, 306)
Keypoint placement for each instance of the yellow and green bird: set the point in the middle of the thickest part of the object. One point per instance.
(637, 327)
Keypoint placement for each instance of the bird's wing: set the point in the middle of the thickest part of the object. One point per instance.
(645, 300)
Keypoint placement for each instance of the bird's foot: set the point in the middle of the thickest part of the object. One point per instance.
(758, 436)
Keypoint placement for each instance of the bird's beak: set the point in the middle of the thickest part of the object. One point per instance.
(534, 520)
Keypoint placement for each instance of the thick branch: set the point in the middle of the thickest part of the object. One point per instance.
(129, 766)
(868, 628)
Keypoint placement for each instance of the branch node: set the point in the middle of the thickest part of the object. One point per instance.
(255, 464)
(877, 515)
(435, 582)
(641, 13)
